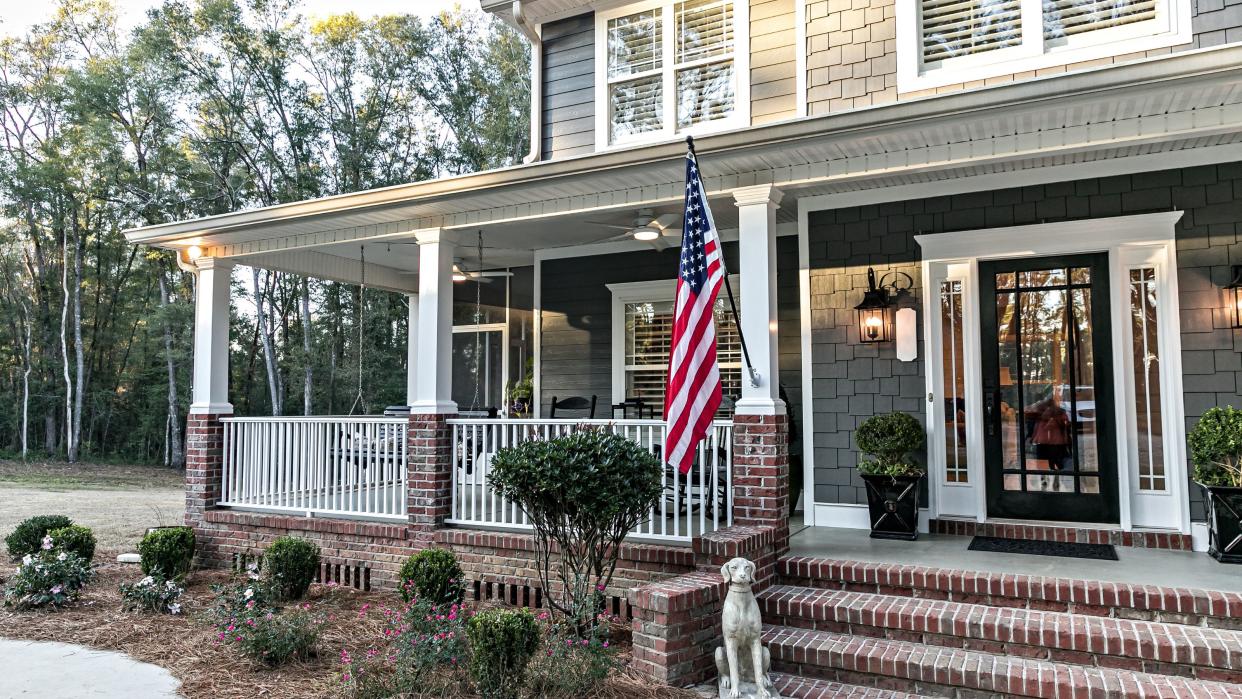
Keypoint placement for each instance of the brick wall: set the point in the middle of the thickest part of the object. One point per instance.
(204, 454)
(852, 381)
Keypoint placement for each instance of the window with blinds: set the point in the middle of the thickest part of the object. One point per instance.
(952, 28)
(694, 62)
(648, 333)
(1066, 18)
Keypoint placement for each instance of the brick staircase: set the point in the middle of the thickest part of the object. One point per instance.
(884, 631)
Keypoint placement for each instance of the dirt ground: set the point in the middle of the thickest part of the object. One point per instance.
(117, 502)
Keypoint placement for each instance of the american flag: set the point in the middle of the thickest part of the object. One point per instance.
(693, 392)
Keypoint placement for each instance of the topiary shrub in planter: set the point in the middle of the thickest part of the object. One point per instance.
(582, 493)
(502, 642)
(290, 564)
(432, 575)
(75, 539)
(27, 538)
(891, 475)
(167, 552)
(1216, 451)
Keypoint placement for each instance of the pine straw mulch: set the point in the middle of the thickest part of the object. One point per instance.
(185, 644)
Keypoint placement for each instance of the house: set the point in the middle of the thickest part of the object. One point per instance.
(1048, 198)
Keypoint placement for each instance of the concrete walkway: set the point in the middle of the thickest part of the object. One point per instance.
(45, 669)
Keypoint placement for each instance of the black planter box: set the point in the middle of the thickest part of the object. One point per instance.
(893, 502)
(1224, 510)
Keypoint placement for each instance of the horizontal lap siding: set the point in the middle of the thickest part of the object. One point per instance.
(851, 382)
(568, 84)
(773, 62)
(576, 318)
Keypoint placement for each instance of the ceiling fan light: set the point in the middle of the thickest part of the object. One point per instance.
(458, 275)
(646, 233)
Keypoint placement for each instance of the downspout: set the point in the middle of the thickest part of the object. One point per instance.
(531, 32)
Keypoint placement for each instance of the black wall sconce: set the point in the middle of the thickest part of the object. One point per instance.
(1234, 289)
(875, 313)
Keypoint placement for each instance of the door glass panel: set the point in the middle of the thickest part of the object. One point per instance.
(478, 366)
(954, 382)
(1046, 382)
(1148, 418)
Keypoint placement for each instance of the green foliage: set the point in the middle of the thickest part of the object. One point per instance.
(243, 598)
(432, 575)
(1216, 447)
(570, 664)
(28, 537)
(425, 646)
(152, 594)
(502, 642)
(168, 551)
(582, 493)
(75, 539)
(272, 640)
(889, 440)
(47, 579)
(290, 564)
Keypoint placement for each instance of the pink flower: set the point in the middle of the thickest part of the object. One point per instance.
(345, 659)
(345, 677)
(583, 642)
(599, 587)
(56, 590)
(605, 644)
(250, 604)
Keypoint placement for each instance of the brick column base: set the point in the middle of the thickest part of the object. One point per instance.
(761, 475)
(430, 477)
(204, 464)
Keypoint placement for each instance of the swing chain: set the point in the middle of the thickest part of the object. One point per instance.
(359, 401)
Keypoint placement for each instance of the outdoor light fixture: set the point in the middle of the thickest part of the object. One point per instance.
(646, 233)
(193, 252)
(875, 313)
(1234, 288)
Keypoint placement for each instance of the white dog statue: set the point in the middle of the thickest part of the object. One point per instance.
(743, 662)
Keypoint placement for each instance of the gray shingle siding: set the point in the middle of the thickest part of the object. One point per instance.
(568, 85)
(851, 381)
(576, 318)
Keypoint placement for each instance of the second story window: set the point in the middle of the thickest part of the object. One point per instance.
(668, 68)
(943, 42)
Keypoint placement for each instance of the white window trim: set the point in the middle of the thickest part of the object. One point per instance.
(660, 290)
(669, 132)
(1171, 27)
(1130, 241)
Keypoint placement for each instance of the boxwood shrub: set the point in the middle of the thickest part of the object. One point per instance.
(502, 642)
(1216, 447)
(889, 440)
(74, 539)
(432, 575)
(290, 564)
(168, 552)
(27, 538)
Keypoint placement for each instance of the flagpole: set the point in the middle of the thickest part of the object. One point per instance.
(737, 320)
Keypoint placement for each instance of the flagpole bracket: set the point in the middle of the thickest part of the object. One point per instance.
(755, 379)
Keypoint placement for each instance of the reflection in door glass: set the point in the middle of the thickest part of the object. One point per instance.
(478, 366)
(954, 382)
(1046, 382)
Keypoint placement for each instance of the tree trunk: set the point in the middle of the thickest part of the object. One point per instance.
(79, 351)
(176, 457)
(269, 356)
(70, 448)
(26, 382)
(308, 377)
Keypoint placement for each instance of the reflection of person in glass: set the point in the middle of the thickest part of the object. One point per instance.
(1051, 431)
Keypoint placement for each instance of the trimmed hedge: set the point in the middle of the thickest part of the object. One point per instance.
(74, 539)
(502, 642)
(168, 552)
(27, 538)
(432, 575)
(290, 564)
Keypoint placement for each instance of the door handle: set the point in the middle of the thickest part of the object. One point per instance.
(991, 407)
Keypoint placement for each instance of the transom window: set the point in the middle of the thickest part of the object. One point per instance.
(669, 68)
(941, 42)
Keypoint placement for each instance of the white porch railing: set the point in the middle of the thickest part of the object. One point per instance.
(329, 466)
(694, 503)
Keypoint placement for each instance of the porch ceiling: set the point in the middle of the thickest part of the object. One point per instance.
(1187, 102)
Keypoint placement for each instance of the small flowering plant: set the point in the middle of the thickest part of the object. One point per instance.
(574, 658)
(152, 594)
(48, 578)
(417, 638)
(273, 638)
(244, 597)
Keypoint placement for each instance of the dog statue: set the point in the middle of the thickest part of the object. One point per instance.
(743, 662)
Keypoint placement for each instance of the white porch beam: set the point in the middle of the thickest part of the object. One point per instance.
(757, 267)
(321, 265)
(411, 350)
(210, 390)
(434, 375)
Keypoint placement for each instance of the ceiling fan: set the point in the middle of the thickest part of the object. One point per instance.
(461, 274)
(647, 227)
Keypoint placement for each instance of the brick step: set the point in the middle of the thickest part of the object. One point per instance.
(1153, 647)
(794, 687)
(935, 670)
(1177, 605)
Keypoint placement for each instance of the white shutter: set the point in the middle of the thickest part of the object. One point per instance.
(1065, 18)
(952, 28)
(635, 48)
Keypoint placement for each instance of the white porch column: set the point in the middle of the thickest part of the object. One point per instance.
(757, 268)
(210, 391)
(411, 351)
(434, 376)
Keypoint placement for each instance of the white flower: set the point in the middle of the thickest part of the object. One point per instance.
(26, 560)
(249, 593)
(62, 556)
(147, 581)
(47, 543)
(174, 609)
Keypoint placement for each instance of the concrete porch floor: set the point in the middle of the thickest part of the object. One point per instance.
(1136, 565)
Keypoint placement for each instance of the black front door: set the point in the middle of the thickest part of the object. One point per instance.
(1047, 389)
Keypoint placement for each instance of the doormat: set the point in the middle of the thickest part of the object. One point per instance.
(996, 544)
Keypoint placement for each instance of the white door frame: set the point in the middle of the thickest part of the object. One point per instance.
(1146, 240)
(503, 328)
